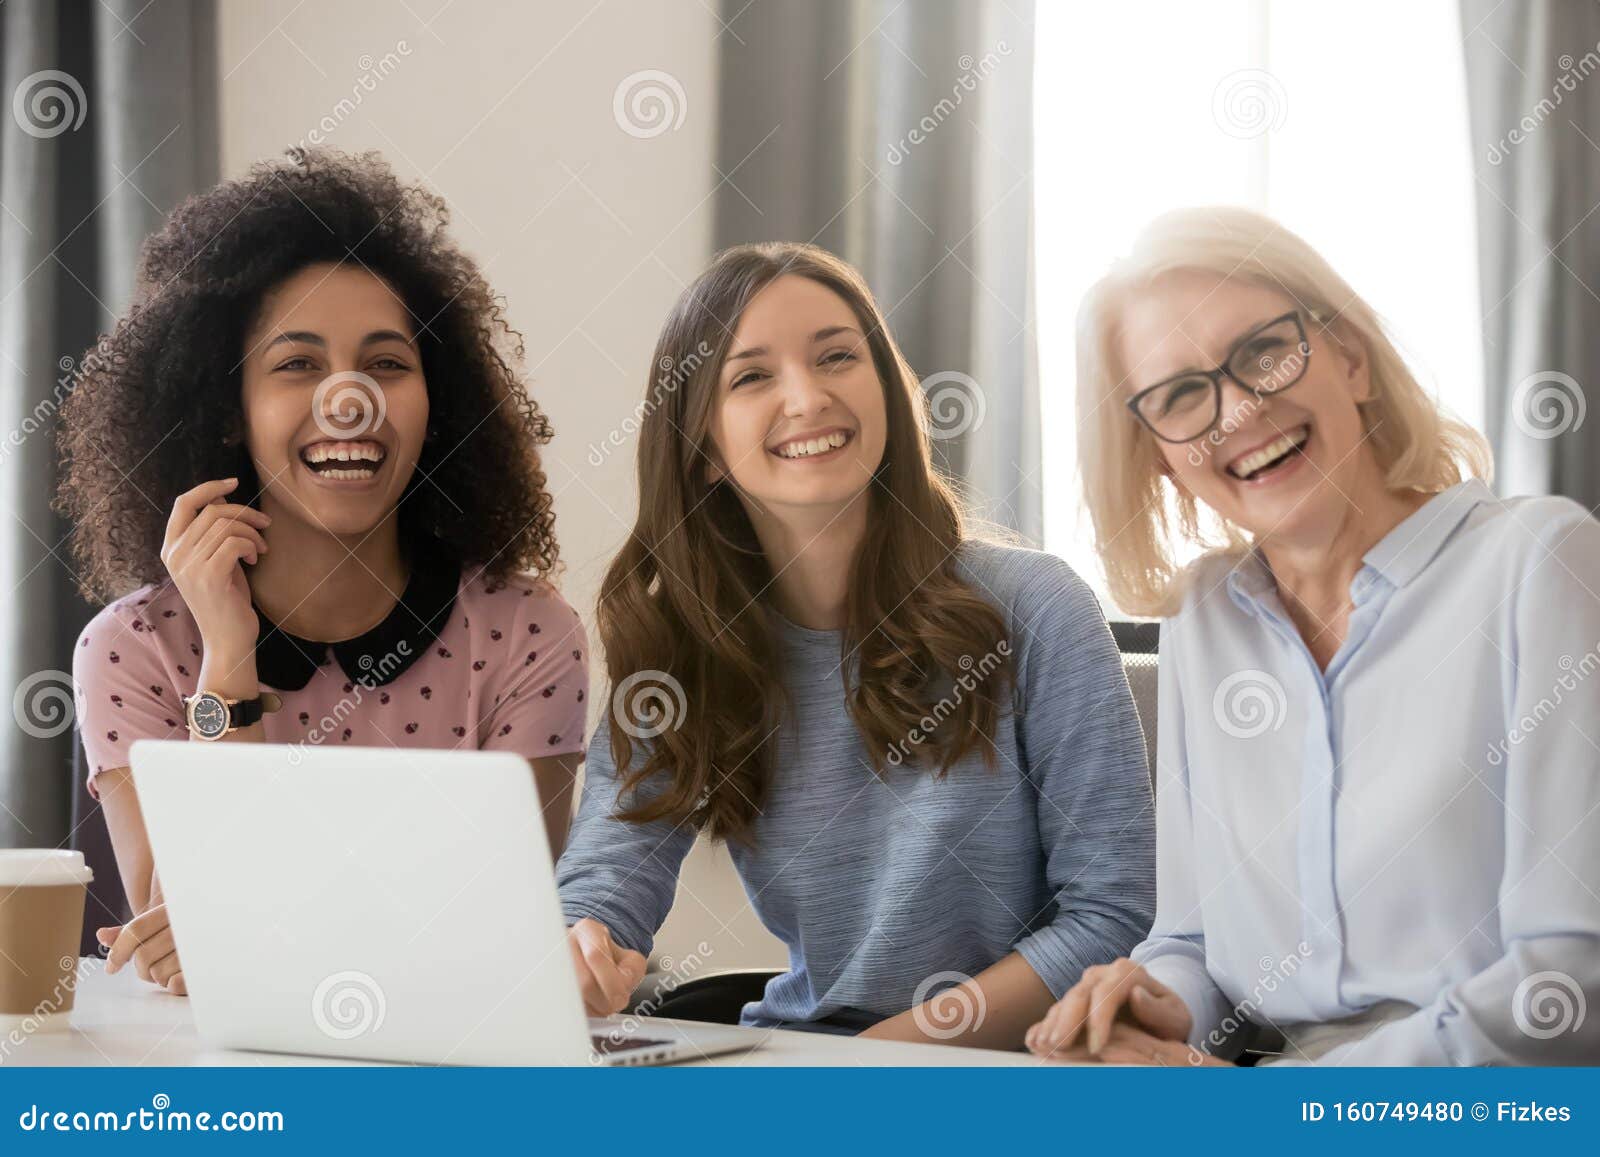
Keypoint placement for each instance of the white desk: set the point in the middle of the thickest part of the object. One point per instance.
(122, 1020)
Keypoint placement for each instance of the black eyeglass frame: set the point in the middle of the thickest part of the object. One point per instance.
(1222, 371)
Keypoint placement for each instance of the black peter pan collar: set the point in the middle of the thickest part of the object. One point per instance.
(286, 662)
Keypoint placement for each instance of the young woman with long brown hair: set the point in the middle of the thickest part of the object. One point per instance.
(919, 746)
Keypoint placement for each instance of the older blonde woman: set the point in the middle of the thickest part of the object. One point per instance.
(1378, 803)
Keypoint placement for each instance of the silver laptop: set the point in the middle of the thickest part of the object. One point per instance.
(377, 903)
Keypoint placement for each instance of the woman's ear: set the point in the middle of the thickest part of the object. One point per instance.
(1164, 468)
(1351, 353)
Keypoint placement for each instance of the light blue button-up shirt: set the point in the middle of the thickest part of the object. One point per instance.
(1396, 858)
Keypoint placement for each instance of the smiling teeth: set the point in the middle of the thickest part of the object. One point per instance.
(343, 452)
(813, 446)
(346, 474)
(1250, 463)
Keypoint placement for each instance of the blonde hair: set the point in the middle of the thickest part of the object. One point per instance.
(1140, 518)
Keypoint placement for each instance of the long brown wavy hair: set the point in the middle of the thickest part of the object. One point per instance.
(682, 604)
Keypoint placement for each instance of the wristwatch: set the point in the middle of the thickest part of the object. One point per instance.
(211, 716)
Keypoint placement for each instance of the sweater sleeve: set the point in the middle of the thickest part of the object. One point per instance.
(623, 874)
(1084, 753)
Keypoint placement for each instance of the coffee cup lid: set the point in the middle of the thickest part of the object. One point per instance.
(41, 867)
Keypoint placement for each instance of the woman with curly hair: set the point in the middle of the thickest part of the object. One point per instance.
(919, 746)
(306, 470)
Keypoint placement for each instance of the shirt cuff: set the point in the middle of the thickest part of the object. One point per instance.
(1207, 1005)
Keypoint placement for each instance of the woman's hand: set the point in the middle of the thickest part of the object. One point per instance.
(1107, 994)
(607, 972)
(207, 541)
(1128, 1045)
(147, 941)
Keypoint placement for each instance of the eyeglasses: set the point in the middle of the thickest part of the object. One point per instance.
(1267, 360)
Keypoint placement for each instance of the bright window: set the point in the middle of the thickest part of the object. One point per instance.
(1347, 123)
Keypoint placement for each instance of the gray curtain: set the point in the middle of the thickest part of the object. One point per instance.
(900, 136)
(1533, 86)
(109, 120)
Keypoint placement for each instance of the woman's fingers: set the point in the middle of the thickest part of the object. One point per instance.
(1145, 1049)
(164, 969)
(135, 932)
(1163, 1014)
(632, 965)
(188, 505)
(1106, 1000)
(234, 549)
(183, 535)
(201, 540)
(1074, 1054)
(157, 948)
(1130, 1045)
(176, 984)
(1061, 1024)
(608, 978)
(1153, 986)
(593, 997)
(605, 986)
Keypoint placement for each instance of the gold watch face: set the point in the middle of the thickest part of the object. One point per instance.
(209, 716)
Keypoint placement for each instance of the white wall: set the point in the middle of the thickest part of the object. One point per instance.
(506, 109)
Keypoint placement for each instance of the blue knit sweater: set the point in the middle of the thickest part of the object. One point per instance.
(883, 887)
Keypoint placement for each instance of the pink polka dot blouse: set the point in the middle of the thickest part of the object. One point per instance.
(454, 665)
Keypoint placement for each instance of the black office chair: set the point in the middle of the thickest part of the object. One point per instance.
(716, 998)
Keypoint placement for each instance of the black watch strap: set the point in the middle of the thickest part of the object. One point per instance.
(244, 712)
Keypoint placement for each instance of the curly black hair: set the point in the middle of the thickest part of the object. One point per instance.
(156, 406)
